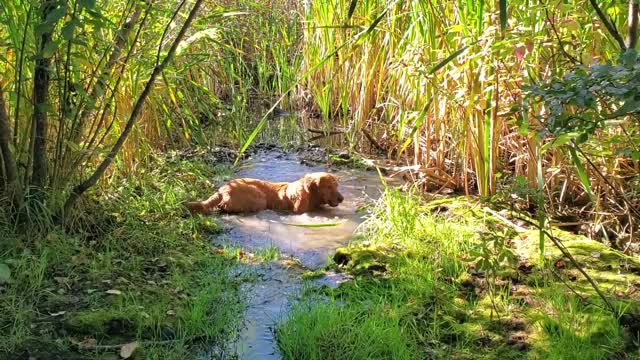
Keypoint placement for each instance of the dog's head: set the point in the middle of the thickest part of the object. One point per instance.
(324, 187)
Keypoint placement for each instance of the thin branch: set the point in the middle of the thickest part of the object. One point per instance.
(325, 132)
(373, 141)
(166, 29)
(571, 58)
(604, 178)
(609, 25)
(98, 122)
(100, 86)
(19, 76)
(93, 179)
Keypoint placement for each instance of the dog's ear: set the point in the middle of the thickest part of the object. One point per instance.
(311, 183)
(301, 204)
(298, 193)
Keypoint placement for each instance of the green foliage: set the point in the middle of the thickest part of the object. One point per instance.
(586, 98)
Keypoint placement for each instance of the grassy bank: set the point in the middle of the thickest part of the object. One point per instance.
(132, 268)
(445, 280)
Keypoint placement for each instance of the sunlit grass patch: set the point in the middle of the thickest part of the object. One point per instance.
(420, 264)
(568, 328)
(131, 268)
(345, 332)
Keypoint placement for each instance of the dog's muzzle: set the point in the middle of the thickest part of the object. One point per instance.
(339, 199)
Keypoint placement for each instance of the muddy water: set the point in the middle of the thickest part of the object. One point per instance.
(278, 282)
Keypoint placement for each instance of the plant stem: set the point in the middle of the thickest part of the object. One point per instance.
(86, 184)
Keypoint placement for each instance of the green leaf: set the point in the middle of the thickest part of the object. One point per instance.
(55, 15)
(582, 138)
(480, 16)
(503, 15)
(629, 107)
(375, 22)
(352, 8)
(50, 48)
(416, 126)
(68, 29)
(316, 225)
(448, 59)
(582, 174)
(559, 141)
(88, 4)
(5, 273)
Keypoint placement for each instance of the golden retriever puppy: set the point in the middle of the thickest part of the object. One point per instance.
(252, 195)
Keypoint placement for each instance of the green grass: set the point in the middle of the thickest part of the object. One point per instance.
(417, 294)
(129, 267)
(345, 333)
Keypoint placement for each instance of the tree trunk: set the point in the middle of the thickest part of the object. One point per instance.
(10, 170)
(40, 100)
(632, 35)
(93, 179)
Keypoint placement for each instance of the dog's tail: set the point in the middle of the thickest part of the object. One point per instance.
(205, 207)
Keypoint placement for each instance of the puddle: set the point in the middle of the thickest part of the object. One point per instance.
(278, 282)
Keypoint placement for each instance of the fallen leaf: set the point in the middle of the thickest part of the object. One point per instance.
(87, 344)
(59, 313)
(595, 254)
(114, 292)
(60, 279)
(127, 350)
(171, 312)
(5, 273)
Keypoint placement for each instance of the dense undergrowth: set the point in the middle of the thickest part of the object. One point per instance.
(436, 86)
(448, 280)
(131, 268)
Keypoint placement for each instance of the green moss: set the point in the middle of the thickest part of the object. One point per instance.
(353, 161)
(432, 281)
(310, 275)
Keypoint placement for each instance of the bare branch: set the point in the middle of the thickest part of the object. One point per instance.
(609, 25)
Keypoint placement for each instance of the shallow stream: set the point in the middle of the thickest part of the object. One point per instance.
(300, 248)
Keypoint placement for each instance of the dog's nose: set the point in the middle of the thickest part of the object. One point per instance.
(340, 197)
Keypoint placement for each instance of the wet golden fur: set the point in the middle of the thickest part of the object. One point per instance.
(251, 195)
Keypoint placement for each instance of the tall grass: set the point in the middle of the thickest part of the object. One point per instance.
(454, 121)
(235, 60)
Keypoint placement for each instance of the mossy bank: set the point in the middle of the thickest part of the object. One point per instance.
(447, 280)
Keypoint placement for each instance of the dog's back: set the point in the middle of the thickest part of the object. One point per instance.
(250, 195)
